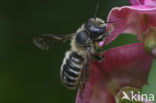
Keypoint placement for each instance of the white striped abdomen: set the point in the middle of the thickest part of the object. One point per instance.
(71, 69)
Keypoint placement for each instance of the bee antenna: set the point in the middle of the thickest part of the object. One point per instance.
(97, 6)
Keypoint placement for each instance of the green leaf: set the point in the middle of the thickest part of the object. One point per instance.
(150, 88)
(122, 39)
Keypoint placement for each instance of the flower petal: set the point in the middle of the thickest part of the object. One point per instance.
(131, 19)
(127, 65)
(143, 2)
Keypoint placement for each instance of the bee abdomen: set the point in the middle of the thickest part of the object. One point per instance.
(71, 69)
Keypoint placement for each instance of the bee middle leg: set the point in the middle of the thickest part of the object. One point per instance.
(98, 57)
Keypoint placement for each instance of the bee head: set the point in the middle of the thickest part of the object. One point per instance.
(95, 27)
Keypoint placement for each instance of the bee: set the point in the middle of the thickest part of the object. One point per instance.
(84, 45)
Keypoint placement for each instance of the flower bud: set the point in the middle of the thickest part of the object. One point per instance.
(149, 39)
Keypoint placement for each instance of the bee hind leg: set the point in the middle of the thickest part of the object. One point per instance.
(83, 82)
(84, 74)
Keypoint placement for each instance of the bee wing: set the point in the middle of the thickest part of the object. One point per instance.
(84, 74)
(48, 41)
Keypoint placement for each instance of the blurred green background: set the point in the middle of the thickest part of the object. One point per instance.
(28, 74)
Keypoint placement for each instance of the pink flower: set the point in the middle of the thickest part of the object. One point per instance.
(137, 19)
(143, 2)
(128, 65)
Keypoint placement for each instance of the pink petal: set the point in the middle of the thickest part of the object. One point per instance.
(127, 65)
(131, 19)
(143, 2)
(101, 43)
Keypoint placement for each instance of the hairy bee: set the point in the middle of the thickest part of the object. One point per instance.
(84, 43)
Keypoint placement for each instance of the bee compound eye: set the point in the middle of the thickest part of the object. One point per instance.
(95, 28)
(82, 38)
